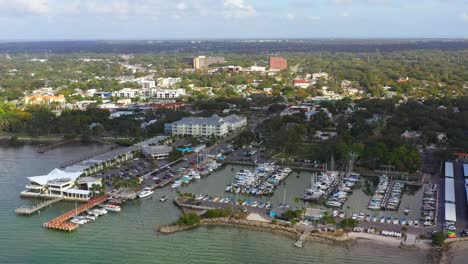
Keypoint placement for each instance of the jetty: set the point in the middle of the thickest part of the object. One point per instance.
(302, 238)
(55, 145)
(28, 210)
(60, 222)
(87, 156)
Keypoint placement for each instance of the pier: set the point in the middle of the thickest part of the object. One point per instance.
(26, 210)
(87, 156)
(55, 145)
(60, 222)
(302, 238)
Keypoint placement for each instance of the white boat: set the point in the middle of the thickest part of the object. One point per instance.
(176, 184)
(334, 213)
(163, 198)
(78, 221)
(407, 210)
(99, 211)
(91, 217)
(341, 214)
(145, 193)
(112, 207)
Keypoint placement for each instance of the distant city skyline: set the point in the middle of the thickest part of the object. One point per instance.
(231, 19)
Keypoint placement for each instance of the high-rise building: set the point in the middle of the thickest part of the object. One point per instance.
(278, 63)
(202, 61)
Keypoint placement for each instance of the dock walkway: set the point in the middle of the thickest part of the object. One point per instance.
(60, 223)
(302, 238)
(28, 210)
(55, 145)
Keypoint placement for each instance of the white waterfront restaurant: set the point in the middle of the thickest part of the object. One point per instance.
(57, 183)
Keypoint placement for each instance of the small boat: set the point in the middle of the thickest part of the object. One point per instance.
(382, 219)
(78, 221)
(91, 217)
(112, 207)
(145, 193)
(99, 211)
(389, 220)
(176, 184)
(163, 198)
(396, 221)
(341, 214)
(416, 223)
(407, 210)
(335, 213)
(360, 216)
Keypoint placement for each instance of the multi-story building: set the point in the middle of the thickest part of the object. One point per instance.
(149, 92)
(38, 99)
(202, 61)
(167, 82)
(278, 63)
(207, 126)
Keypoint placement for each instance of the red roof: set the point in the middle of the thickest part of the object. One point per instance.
(300, 81)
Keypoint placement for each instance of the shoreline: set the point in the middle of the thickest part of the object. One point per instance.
(344, 238)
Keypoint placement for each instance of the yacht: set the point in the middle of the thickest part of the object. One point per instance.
(99, 211)
(145, 193)
(163, 198)
(78, 221)
(176, 184)
(112, 207)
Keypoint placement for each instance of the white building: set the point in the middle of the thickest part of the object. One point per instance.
(156, 152)
(149, 93)
(56, 184)
(167, 82)
(210, 126)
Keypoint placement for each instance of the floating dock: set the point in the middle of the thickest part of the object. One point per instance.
(25, 210)
(60, 223)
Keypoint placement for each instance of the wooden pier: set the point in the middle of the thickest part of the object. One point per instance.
(60, 223)
(27, 210)
(55, 145)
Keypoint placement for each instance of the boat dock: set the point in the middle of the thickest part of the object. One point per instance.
(55, 145)
(60, 222)
(302, 238)
(28, 210)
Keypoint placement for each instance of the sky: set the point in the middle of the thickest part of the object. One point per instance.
(227, 19)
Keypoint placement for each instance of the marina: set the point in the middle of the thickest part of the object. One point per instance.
(26, 210)
(61, 222)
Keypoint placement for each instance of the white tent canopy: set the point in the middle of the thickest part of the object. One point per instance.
(55, 175)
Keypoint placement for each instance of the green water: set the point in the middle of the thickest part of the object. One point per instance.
(130, 237)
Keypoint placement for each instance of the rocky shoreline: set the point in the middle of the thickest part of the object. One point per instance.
(259, 226)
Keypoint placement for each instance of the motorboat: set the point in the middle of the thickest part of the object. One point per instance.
(382, 219)
(99, 211)
(163, 198)
(112, 207)
(78, 221)
(334, 213)
(176, 184)
(145, 193)
(360, 216)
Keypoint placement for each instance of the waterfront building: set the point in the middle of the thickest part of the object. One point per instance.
(206, 126)
(156, 152)
(57, 183)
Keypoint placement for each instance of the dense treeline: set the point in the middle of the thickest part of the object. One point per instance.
(373, 133)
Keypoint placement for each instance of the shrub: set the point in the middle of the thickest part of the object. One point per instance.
(438, 239)
(216, 213)
(349, 223)
(189, 219)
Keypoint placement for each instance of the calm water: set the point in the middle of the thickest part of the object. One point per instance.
(130, 237)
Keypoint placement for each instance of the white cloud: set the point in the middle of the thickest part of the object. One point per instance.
(290, 16)
(314, 17)
(120, 7)
(238, 9)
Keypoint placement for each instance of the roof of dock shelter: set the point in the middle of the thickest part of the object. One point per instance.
(55, 175)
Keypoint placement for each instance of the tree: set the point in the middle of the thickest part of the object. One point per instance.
(438, 239)
(175, 154)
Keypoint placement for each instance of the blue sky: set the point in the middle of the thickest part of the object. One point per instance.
(200, 19)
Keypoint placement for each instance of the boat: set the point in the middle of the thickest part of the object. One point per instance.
(382, 219)
(360, 216)
(78, 221)
(416, 223)
(145, 193)
(410, 222)
(112, 207)
(334, 213)
(91, 217)
(341, 214)
(176, 184)
(99, 211)
(396, 221)
(163, 198)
